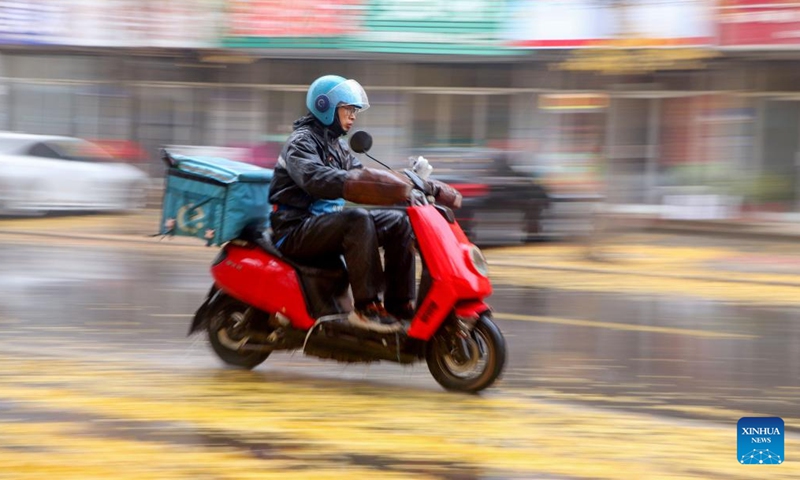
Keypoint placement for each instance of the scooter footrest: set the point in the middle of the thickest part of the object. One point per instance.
(325, 352)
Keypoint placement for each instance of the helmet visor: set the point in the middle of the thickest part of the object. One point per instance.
(349, 92)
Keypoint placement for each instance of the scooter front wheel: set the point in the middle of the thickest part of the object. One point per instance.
(467, 363)
(226, 332)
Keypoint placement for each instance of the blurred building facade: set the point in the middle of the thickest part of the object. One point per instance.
(649, 103)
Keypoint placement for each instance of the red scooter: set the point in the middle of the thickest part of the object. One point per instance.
(263, 302)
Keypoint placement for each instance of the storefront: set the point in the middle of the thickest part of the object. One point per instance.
(668, 122)
(569, 153)
(777, 175)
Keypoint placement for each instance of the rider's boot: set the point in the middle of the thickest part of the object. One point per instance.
(375, 318)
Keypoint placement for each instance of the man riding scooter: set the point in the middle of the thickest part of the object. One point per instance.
(263, 300)
(315, 173)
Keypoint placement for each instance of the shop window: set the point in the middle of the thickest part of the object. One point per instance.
(42, 109)
(424, 120)
(233, 117)
(462, 120)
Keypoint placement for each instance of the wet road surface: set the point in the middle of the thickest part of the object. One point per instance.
(609, 373)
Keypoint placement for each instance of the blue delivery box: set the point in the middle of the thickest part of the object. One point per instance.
(213, 198)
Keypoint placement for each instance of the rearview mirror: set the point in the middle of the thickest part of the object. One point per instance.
(361, 142)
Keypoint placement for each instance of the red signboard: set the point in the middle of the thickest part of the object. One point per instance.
(756, 23)
(292, 18)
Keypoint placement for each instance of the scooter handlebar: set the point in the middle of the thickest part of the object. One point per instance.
(418, 183)
(443, 193)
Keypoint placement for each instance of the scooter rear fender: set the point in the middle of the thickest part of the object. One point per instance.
(253, 276)
(200, 317)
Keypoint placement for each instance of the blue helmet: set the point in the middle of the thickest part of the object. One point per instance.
(330, 91)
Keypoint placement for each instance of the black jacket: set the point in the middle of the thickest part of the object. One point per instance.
(312, 166)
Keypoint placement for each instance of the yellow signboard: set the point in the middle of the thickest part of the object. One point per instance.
(627, 57)
(573, 101)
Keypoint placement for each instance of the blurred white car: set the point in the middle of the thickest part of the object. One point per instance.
(42, 173)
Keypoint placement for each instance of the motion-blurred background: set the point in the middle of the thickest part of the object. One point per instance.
(685, 109)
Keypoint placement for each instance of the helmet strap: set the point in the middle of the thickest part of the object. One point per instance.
(336, 126)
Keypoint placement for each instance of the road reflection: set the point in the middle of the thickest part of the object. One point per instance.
(98, 379)
(104, 417)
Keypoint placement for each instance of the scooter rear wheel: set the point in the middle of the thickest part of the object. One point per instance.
(225, 332)
(467, 364)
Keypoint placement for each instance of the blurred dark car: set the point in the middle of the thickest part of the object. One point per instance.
(490, 185)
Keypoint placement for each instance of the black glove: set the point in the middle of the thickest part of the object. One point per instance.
(443, 193)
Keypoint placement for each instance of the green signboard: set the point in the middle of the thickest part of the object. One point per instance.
(431, 27)
(444, 27)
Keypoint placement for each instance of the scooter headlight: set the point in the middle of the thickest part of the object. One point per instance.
(478, 261)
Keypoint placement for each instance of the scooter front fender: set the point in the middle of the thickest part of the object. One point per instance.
(471, 309)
